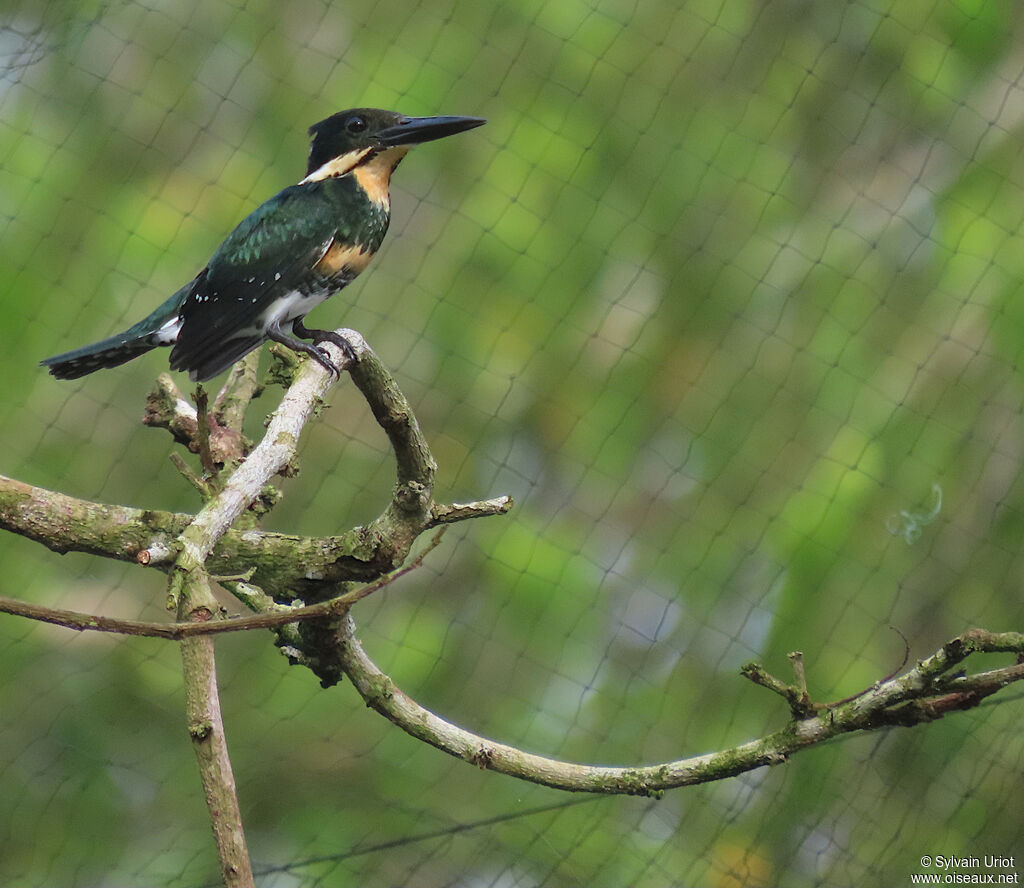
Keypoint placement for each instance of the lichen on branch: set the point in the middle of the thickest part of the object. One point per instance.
(322, 578)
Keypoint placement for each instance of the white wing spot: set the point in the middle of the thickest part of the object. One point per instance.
(168, 331)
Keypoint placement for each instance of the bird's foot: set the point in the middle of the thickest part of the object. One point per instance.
(275, 333)
(318, 336)
(322, 358)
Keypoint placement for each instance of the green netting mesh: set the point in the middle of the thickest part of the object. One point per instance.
(727, 295)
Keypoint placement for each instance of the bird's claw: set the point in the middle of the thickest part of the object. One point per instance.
(324, 360)
(318, 336)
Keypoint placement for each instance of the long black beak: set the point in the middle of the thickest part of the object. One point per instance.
(413, 130)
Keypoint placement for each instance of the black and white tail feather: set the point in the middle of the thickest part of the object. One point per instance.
(159, 328)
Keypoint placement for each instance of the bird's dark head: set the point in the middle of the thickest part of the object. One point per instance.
(347, 138)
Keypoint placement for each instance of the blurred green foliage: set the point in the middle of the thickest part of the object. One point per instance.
(724, 292)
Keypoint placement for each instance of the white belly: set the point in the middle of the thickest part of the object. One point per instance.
(291, 306)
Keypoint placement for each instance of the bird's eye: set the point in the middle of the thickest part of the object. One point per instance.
(355, 125)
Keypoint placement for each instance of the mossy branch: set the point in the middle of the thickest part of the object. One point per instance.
(928, 691)
(321, 633)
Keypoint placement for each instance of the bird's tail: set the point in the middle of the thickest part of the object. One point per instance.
(109, 353)
(159, 328)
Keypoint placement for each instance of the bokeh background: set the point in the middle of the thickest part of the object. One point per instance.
(727, 295)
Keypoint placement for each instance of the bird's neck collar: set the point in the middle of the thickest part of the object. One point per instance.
(337, 166)
(371, 167)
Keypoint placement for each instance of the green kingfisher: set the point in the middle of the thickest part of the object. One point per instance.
(285, 258)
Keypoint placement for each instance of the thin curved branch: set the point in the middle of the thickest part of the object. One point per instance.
(275, 615)
(923, 693)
